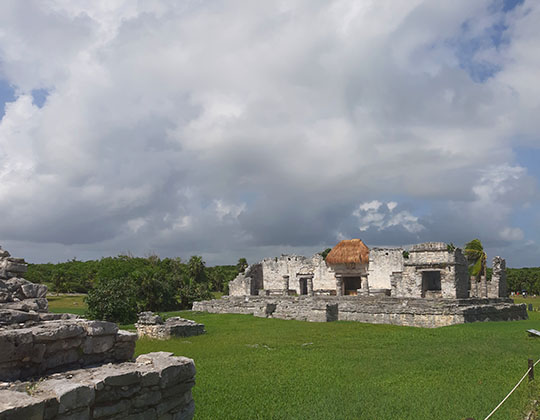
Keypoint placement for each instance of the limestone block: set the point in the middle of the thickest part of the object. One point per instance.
(98, 344)
(56, 330)
(47, 316)
(100, 328)
(26, 305)
(124, 350)
(124, 379)
(71, 395)
(124, 335)
(111, 410)
(19, 405)
(13, 316)
(64, 358)
(185, 414)
(80, 414)
(147, 399)
(15, 345)
(32, 290)
(149, 318)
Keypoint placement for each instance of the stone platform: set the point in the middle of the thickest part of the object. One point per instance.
(61, 366)
(51, 346)
(426, 313)
(155, 386)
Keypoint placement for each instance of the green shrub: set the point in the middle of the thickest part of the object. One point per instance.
(113, 300)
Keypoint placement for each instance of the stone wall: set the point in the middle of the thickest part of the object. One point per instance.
(10, 266)
(273, 270)
(50, 346)
(153, 326)
(425, 313)
(382, 263)
(34, 343)
(17, 293)
(497, 287)
(247, 283)
(434, 257)
(155, 386)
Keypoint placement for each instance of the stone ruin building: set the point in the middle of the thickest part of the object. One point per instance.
(429, 287)
(61, 366)
(152, 326)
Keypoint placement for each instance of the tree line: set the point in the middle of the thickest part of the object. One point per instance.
(120, 287)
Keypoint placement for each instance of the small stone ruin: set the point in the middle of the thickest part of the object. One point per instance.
(61, 366)
(152, 326)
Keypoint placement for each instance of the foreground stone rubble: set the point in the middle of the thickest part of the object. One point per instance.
(60, 366)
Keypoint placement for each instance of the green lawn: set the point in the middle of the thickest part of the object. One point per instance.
(73, 304)
(253, 368)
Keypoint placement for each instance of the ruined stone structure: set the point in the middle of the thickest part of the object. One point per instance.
(153, 326)
(433, 271)
(430, 288)
(497, 287)
(288, 274)
(382, 263)
(155, 386)
(60, 366)
(426, 313)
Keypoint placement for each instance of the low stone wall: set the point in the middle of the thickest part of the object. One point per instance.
(50, 346)
(152, 326)
(155, 386)
(427, 313)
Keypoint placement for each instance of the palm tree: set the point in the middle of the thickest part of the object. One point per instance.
(474, 251)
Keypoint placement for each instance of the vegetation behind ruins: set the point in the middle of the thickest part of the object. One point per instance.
(79, 276)
(119, 287)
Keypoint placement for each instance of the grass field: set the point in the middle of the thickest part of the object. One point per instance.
(67, 303)
(253, 368)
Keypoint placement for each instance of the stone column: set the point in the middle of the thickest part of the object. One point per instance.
(285, 285)
(364, 284)
(483, 287)
(474, 287)
(498, 279)
(339, 284)
(310, 286)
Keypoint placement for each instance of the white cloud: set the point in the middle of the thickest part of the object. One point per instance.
(369, 215)
(248, 125)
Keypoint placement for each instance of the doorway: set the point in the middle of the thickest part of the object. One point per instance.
(431, 283)
(351, 285)
(303, 286)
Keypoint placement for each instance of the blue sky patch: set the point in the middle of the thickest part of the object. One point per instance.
(39, 97)
(7, 94)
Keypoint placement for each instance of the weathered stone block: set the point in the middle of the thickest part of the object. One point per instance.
(71, 396)
(98, 344)
(55, 331)
(100, 328)
(15, 345)
(123, 379)
(19, 405)
(112, 409)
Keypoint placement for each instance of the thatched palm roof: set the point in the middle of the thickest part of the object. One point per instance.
(349, 251)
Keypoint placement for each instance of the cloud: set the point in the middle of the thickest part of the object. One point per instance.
(382, 216)
(229, 128)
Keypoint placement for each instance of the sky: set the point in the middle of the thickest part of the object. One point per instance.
(235, 128)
